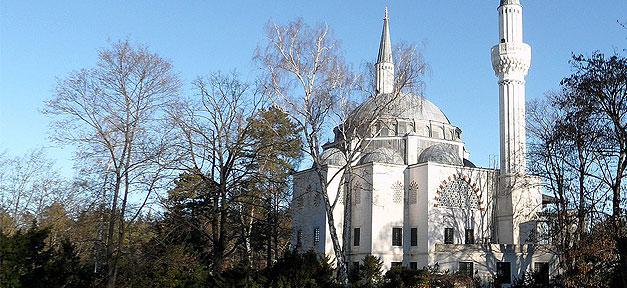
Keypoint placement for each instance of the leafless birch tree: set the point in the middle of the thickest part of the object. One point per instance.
(305, 74)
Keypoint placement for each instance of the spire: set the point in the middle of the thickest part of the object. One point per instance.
(385, 48)
(384, 77)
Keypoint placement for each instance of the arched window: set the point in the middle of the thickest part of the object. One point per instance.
(413, 192)
(457, 192)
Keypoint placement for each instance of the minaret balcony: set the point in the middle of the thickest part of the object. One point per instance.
(511, 57)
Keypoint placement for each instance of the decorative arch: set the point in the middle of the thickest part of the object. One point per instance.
(413, 192)
(357, 192)
(458, 191)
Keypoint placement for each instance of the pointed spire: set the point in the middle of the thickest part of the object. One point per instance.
(385, 48)
(384, 75)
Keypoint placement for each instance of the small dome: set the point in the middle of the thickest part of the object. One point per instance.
(382, 155)
(333, 156)
(468, 163)
(440, 153)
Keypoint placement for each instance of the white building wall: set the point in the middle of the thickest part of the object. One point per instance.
(460, 219)
(308, 211)
(362, 211)
(418, 213)
(387, 211)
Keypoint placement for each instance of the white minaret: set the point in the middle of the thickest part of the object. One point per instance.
(384, 75)
(510, 60)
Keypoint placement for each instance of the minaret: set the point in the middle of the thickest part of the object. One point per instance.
(510, 60)
(384, 75)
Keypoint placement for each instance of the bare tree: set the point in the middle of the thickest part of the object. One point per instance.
(214, 145)
(600, 89)
(29, 185)
(305, 75)
(562, 151)
(579, 145)
(112, 113)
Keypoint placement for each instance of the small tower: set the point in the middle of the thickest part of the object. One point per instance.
(510, 60)
(384, 75)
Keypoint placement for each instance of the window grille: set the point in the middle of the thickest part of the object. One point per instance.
(448, 236)
(466, 268)
(397, 236)
(316, 236)
(397, 189)
(470, 236)
(503, 273)
(458, 193)
(414, 237)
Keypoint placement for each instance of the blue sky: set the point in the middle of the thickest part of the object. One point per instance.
(42, 40)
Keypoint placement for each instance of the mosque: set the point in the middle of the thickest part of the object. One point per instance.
(413, 198)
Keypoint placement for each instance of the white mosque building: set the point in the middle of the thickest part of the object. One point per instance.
(414, 198)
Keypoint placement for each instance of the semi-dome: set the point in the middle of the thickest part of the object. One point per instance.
(333, 156)
(382, 155)
(440, 153)
(403, 106)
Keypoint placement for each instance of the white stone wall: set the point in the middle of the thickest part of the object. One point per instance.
(308, 211)
(441, 216)
(388, 196)
(362, 211)
(385, 196)
(485, 257)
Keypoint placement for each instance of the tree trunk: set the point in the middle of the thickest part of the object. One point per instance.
(346, 231)
(100, 230)
(221, 241)
(112, 219)
(337, 247)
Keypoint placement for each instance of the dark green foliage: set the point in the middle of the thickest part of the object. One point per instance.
(535, 279)
(240, 276)
(401, 276)
(26, 261)
(292, 270)
(302, 270)
(190, 211)
(276, 143)
(167, 265)
(366, 274)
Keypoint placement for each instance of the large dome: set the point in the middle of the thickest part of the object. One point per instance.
(404, 106)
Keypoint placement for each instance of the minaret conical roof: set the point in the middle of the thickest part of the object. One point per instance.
(385, 48)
